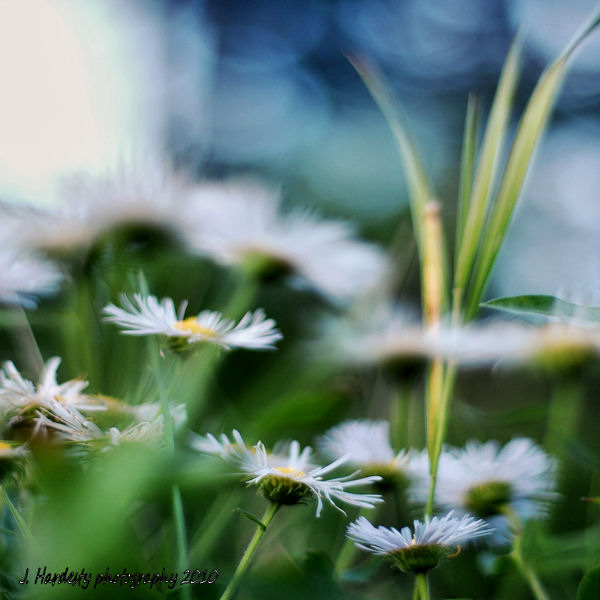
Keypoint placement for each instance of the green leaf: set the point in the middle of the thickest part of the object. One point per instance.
(487, 167)
(528, 134)
(250, 516)
(538, 304)
(589, 588)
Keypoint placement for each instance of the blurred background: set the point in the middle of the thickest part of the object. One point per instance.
(229, 87)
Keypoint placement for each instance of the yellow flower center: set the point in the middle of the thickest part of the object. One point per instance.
(190, 324)
(5, 446)
(290, 471)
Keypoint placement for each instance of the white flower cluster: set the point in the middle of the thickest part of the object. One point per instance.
(59, 410)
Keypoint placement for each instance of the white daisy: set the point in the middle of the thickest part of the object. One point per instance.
(290, 479)
(237, 224)
(385, 333)
(491, 482)
(87, 205)
(421, 550)
(145, 315)
(23, 276)
(18, 393)
(366, 445)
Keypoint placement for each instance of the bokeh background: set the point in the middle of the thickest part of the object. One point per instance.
(264, 87)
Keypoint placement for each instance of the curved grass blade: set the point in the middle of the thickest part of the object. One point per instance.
(487, 166)
(467, 167)
(530, 129)
(419, 188)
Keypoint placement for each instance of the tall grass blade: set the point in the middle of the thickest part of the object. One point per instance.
(476, 209)
(530, 129)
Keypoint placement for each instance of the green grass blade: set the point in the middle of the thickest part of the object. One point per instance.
(530, 129)
(487, 167)
(467, 167)
(418, 184)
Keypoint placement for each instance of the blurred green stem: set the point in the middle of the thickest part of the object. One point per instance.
(563, 415)
(528, 573)
(348, 550)
(23, 528)
(169, 436)
(250, 550)
(25, 341)
(526, 570)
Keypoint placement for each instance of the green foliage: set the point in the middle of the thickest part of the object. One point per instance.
(589, 588)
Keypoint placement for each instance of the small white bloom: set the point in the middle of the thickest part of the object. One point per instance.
(145, 315)
(422, 549)
(239, 224)
(17, 393)
(23, 276)
(290, 479)
(366, 444)
(485, 480)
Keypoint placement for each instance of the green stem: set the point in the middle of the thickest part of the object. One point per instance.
(23, 528)
(528, 573)
(169, 437)
(422, 585)
(250, 550)
(349, 548)
(526, 570)
(26, 343)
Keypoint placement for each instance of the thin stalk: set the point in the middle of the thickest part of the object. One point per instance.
(422, 585)
(26, 343)
(563, 415)
(349, 548)
(176, 500)
(22, 526)
(527, 571)
(244, 563)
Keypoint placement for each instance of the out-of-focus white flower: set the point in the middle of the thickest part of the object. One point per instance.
(492, 482)
(421, 550)
(145, 315)
(146, 194)
(290, 479)
(243, 225)
(23, 276)
(366, 445)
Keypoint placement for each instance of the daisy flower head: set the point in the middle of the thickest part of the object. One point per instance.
(384, 334)
(243, 225)
(20, 398)
(146, 315)
(146, 192)
(422, 548)
(290, 478)
(366, 445)
(491, 482)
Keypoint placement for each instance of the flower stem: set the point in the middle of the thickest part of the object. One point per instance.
(422, 585)
(245, 561)
(527, 571)
(348, 550)
(169, 437)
